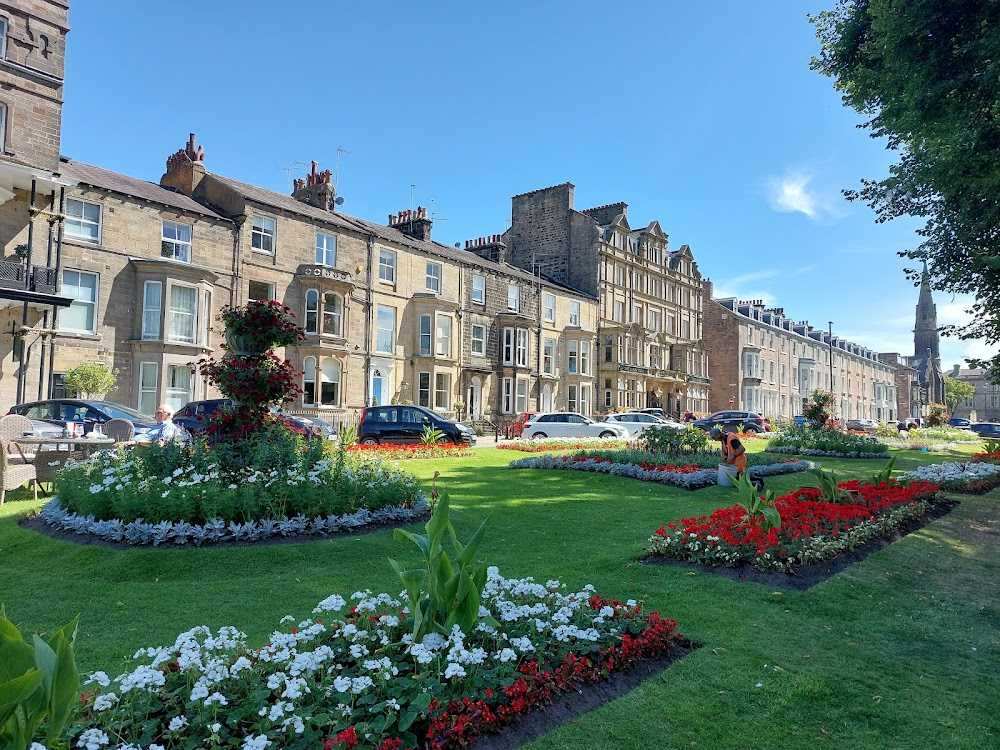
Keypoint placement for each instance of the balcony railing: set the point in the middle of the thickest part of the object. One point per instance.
(14, 275)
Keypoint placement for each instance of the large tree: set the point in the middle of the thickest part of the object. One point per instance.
(926, 75)
(956, 391)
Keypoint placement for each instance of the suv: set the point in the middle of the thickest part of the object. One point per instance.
(193, 414)
(959, 422)
(405, 424)
(861, 425)
(733, 421)
(986, 429)
(82, 411)
(517, 427)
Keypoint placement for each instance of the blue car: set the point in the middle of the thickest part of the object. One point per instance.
(986, 429)
(959, 422)
(800, 421)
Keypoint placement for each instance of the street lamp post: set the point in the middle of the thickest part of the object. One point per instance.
(732, 399)
(830, 338)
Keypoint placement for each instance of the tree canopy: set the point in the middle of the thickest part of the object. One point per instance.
(956, 391)
(926, 74)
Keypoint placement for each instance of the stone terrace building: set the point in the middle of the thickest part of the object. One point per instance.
(764, 361)
(389, 314)
(649, 351)
(984, 406)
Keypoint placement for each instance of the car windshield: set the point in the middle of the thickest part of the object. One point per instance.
(117, 411)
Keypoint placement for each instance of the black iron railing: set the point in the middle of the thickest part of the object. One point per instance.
(13, 275)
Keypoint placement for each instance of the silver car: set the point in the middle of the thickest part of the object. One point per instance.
(566, 424)
(638, 422)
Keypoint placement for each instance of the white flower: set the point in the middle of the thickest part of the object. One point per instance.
(454, 670)
(92, 739)
(177, 723)
(256, 743)
(105, 701)
(100, 678)
(216, 697)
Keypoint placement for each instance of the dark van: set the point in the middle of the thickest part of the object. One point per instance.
(400, 423)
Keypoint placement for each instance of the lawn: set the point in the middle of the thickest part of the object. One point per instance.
(898, 651)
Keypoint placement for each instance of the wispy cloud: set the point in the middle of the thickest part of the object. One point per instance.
(795, 193)
(749, 286)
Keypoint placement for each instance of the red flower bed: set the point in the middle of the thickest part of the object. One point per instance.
(811, 528)
(412, 450)
(557, 444)
(989, 458)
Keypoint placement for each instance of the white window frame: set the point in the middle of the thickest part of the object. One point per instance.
(146, 392)
(180, 249)
(478, 288)
(507, 396)
(521, 396)
(574, 313)
(522, 347)
(585, 358)
(4, 26)
(507, 346)
(513, 298)
(433, 277)
(424, 389)
(178, 397)
(572, 358)
(585, 400)
(326, 249)
(479, 340)
(82, 303)
(548, 356)
(380, 330)
(152, 316)
(168, 334)
(571, 398)
(425, 334)
(338, 317)
(271, 289)
(73, 220)
(387, 265)
(309, 378)
(442, 390)
(619, 315)
(337, 372)
(442, 336)
(263, 232)
(550, 308)
(312, 309)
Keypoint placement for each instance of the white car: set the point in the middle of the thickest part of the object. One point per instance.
(565, 424)
(638, 422)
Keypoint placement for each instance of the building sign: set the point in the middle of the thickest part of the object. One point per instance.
(636, 370)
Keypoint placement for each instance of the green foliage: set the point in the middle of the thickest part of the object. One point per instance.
(760, 509)
(673, 440)
(956, 391)
(991, 446)
(89, 379)
(827, 484)
(819, 409)
(825, 439)
(347, 436)
(886, 474)
(431, 435)
(39, 683)
(443, 594)
(924, 74)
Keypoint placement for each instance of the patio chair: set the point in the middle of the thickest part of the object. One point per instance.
(120, 430)
(12, 427)
(49, 462)
(13, 476)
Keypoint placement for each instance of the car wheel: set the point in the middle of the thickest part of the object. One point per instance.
(539, 436)
(445, 440)
(607, 434)
(751, 430)
(369, 441)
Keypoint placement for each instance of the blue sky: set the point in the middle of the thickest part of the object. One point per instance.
(704, 116)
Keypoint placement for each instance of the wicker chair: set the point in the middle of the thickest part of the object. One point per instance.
(13, 475)
(120, 430)
(13, 426)
(49, 462)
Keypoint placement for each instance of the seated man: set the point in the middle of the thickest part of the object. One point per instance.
(165, 429)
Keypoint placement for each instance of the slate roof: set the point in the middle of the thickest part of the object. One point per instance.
(88, 174)
(381, 231)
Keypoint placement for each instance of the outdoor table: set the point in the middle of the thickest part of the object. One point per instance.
(87, 444)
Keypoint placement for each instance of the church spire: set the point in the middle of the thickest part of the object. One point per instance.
(926, 339)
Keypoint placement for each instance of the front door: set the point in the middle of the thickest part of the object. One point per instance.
(379, 389)
(476, 399)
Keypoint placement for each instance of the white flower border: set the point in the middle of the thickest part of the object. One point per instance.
(139, 532)
(690, 481)
(953, 471)
(826, 454)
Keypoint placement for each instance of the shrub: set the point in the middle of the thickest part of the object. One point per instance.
(674, 440)
(826, 441)
(89, 379)
(260, 325)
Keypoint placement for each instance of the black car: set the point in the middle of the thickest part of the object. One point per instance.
(405, 424)
(959, 422)
(733, 421)
(986, 429)
(82, 411)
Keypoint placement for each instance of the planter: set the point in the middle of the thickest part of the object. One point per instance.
(727, 475)
(244, 345)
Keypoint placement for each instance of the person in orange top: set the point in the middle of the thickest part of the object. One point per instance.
(733, 452)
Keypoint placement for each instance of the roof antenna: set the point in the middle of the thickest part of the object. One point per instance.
(288, 176)
(413, 186)
(336, 175)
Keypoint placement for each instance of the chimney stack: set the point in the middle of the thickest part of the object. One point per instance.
(316, 189)
(185, 168)
(413, 223)
(491, 247)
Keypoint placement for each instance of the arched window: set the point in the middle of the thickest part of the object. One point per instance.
(330, 388)
(333, 314)
(309, 381)
(312, 311)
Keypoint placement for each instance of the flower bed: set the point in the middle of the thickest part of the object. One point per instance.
(972, 477)
(812, 529)
(414, 450)
(687, 475)
(361, 681)
(562, 444)
(826, 442)
(274, 475)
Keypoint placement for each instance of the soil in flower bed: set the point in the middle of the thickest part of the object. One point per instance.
(584, 698)
(807, 576)
(37, 523)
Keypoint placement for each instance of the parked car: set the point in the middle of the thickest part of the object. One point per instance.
(862, 425)
(518, 426)
(638, 422)
(655, 411)
(59, 411)
(571, 425)
(799, 420)
(959, 422)
(733, 421)
(405, 424)
(325, 428)
(193, 414)
(986, 429)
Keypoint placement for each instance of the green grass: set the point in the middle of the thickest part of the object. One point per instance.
(899, 651)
